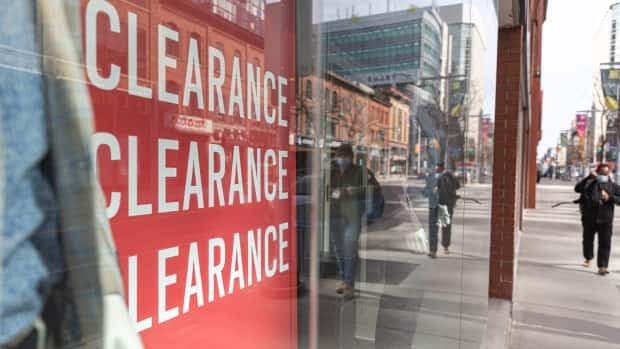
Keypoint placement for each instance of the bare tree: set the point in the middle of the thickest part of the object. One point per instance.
(447, 127)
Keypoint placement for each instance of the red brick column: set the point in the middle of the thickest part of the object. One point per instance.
(538, 9)
(506, 168)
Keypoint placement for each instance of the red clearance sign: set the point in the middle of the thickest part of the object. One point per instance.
(194, 105)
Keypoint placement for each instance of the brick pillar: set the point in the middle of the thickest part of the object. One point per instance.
(506, 168)
(533, 138)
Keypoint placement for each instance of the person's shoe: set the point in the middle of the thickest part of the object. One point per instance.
(341, 288)
(446, 250)
(587, 263)
(433, 255)
(348, 292)
(603, 271)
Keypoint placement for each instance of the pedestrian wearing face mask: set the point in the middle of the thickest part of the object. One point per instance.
(346, 212)
(596, 203)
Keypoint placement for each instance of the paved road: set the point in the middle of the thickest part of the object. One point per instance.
(558, 303)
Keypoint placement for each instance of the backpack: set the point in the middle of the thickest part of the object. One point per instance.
(375, 202)
(447, 186)
(588, 198)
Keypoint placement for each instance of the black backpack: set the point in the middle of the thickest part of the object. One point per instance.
(375, 204)
(589, 198)
(447, 186)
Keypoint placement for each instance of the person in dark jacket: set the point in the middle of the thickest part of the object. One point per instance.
(596, 203)
(346, 213)
(441, 190)
(447, 185)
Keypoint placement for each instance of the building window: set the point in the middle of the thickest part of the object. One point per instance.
(309, 89)
(335, 101)
(327, 96)
(331, 128)
(173, 47)
(220, 47)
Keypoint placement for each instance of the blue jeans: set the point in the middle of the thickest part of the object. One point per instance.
(345, 237)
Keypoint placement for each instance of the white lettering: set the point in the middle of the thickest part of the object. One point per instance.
(101, 138)
(164, 33)
(270, 80)
(254, 177)
(163, 173)
(253, 91)
(216, 83)
(254, 256)
(282, 82)
(135, 209)
(193, 273)
(215, 271)
(282, 172)
(132, 295)
(135, 89)
(283, 245)
(236, 93)
(193, 175)
(215, 177)
(269, 194)
(270, 268)
(163, 281)
(92, 70)
(236, 265)
(193, 81)
(235, 182)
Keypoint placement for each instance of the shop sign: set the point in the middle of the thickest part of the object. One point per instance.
(203, 220)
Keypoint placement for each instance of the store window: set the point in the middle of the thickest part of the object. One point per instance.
(243, 174)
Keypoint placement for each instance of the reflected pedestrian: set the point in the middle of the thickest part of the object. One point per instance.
(596, 203)
(440, 189)
(346, 213)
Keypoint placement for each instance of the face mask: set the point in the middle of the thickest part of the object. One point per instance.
(602, 179)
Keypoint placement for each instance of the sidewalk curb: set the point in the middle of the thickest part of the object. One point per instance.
(499, 325)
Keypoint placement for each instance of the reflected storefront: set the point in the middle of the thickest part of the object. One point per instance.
(259, 174)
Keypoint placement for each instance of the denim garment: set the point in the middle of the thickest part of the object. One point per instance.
(345, 237)
(29, 248)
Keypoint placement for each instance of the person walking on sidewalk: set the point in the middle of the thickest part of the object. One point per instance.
(598, 195)
(441, 190)
(346, 213)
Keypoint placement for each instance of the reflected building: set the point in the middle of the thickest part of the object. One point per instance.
(468, 48)
(408, 50)
(386, 49)
(614, 51)
(398, 131)
(353, 113)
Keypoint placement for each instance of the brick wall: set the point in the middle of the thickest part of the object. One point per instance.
(537, 18)
(505, 211)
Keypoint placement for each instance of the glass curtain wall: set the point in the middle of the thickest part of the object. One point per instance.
(406, 91)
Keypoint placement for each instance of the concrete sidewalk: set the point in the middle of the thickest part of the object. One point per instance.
(558, 303)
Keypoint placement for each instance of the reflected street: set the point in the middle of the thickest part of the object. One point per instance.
(405, 299)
